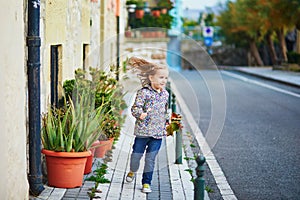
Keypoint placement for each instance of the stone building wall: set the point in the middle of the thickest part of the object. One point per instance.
(13, 98)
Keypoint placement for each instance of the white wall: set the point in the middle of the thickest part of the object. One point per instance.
(13, 87)
(94, 56)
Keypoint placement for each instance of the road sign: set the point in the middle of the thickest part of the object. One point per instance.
(208, 31)
(208, 41)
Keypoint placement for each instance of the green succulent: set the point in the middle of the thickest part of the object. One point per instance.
(73, 127)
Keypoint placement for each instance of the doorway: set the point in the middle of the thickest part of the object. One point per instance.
(55, 74)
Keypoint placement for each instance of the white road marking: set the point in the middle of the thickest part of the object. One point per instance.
(212, 162)
(260, 84)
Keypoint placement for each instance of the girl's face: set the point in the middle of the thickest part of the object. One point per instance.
(159, 80)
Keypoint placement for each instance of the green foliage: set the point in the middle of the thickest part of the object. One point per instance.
(110, 92)
(244, 19)
(165, 4)
(93, 190)
(73, 127)
(189, 171)
(124, 65)
(111, 128)
(209, 19)
(129, 2)
(235, 23)
(174, 125)
(293, 57)
(106, 91)
(69, 86)
(187, 23)
(140, 3)
(91, 108)
(208, 189)
(99, 179)
(98, 176)
(189, 158)
(163, 21)
(155, 8)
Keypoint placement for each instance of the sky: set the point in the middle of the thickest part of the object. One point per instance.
(200, 4)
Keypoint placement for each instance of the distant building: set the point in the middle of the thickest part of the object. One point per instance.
(191, 14)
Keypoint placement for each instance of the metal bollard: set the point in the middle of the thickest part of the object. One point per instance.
(173, 103)
(199, 186)
(178, 148)
(168, 88)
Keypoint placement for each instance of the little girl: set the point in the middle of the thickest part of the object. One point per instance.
(150, 110)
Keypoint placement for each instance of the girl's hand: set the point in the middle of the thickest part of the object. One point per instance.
(143, 116)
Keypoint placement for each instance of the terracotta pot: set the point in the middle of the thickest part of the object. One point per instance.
(155, 13)
(89, 161)
(164, 11)
(111, 141)
(101, 149)
(89, 164)
(65, 169)
(139, 14)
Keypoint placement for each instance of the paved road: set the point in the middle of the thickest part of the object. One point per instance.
(258, 144)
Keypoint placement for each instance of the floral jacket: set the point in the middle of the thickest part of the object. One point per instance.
(154, 125)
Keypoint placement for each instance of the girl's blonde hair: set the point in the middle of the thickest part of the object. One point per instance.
(144, 69)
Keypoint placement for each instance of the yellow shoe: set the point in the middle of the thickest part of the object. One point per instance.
(146, 188)
(130, 176)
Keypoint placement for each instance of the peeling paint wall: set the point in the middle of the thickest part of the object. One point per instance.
(94, 55)
(13, 182)
(103, 51)
(108, 36)
(65, 23)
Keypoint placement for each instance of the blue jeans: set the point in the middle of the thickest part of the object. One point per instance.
(138, 149)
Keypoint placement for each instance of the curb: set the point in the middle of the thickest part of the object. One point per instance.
(267, 77)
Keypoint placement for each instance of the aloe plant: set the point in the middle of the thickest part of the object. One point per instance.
(105, 93)
(76, 126)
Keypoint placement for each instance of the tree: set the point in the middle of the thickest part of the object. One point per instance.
(289, 18)
(241, 22)
(209, 19)
(256, 21)
(278, 16)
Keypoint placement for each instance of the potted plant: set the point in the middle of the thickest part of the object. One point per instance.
(67, 135)
(131, 5)
(109, 92)
(131, 2)
(155, 12)
(90, 158)
(139, 11)
(111, 129)
(165, 5)
(174, 125)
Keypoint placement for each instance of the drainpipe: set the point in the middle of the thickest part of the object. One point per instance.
(33, 70)
(118, 38)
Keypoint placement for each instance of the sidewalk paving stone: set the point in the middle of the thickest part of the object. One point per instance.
(170, 181)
